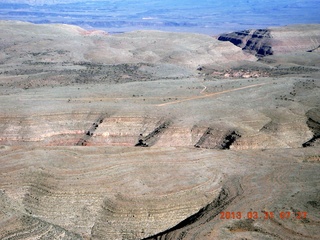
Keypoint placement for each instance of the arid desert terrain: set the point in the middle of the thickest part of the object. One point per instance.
(159, 135)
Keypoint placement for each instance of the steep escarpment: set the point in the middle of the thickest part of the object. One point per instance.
(257, 42)
(270, 41)
(313, 123)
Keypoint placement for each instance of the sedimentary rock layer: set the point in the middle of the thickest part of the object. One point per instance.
(135, 193)
(264, 42)
(153, 135)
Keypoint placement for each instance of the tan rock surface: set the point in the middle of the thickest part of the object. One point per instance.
(121, 137)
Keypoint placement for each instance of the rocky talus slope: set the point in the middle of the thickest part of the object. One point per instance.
(153, 135)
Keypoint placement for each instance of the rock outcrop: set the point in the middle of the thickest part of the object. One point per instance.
(256, 42)
(313, 123)
(264, 42)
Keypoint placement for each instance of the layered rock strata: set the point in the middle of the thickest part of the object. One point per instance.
(264, 42)
(153, 135)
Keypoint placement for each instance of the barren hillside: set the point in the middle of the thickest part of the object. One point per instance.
(157, 135)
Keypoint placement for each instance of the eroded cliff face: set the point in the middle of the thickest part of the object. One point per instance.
(257, 42)
(97, 129)
(264, 42)
(313, 123)
(151, 135)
